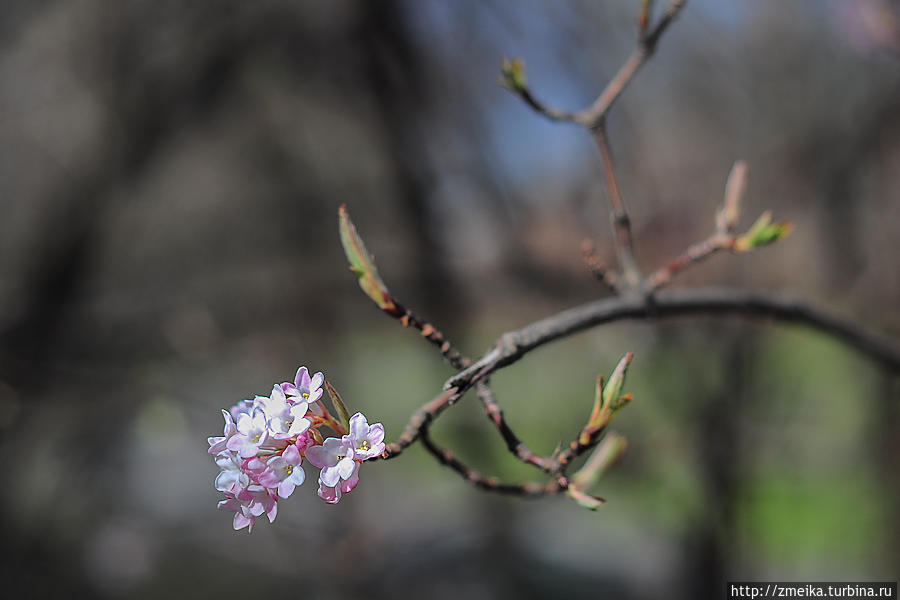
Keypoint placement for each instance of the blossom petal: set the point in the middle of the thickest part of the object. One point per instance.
(345, 467)
(286, 488)
(240, 521)
(291, 455)
(316, 382)
(359, 427)
(330, 476)
(318, 456)
(376, 434)
(301, 377)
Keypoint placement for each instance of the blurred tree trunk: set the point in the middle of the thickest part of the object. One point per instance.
(398, 79)
(710, 540)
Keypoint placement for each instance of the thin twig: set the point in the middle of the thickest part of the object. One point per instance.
(620, 221)
(694, 254)
(433, 335)
(593, 115)
(491, 484)
(576, 448)
(605, 276)
(513, 443)
(419, 421)
(554, 114)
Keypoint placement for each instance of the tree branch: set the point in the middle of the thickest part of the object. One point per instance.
(490, 484)
(513, 443)
(710, 302)
(513, 345)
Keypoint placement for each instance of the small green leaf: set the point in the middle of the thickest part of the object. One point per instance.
(613, 389)
(362, 263)
(584, 500)
(513, 74)
(608, 400)
(763, 232)
(343, 413)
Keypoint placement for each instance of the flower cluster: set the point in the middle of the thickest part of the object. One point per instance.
(266, 439)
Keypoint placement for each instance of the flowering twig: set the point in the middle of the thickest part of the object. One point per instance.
(362, 263)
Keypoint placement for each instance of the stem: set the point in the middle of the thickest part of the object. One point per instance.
(619, 217)
(491, 484)
(513, 443)
(694, 254)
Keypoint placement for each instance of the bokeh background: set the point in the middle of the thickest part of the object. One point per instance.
(170, 174)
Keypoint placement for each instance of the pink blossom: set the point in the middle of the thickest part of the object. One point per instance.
(231, 475)
(283, 472)
(259, 501)
(305, 388)
(332, 494)
(241, 518)
(335, 458)
(217, 444)
(261, 453)
(249, 504)
(367, 440)
(252, 432)
(286, 417)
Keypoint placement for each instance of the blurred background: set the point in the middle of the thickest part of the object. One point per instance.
(170, 173)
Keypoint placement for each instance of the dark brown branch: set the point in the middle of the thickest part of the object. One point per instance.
(408, 319)
(620, 221)
(490, 484)
(513, 443)
(512, 346)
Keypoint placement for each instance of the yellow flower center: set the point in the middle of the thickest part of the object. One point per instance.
(365, 445)
(289, 469)
(305, 395)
